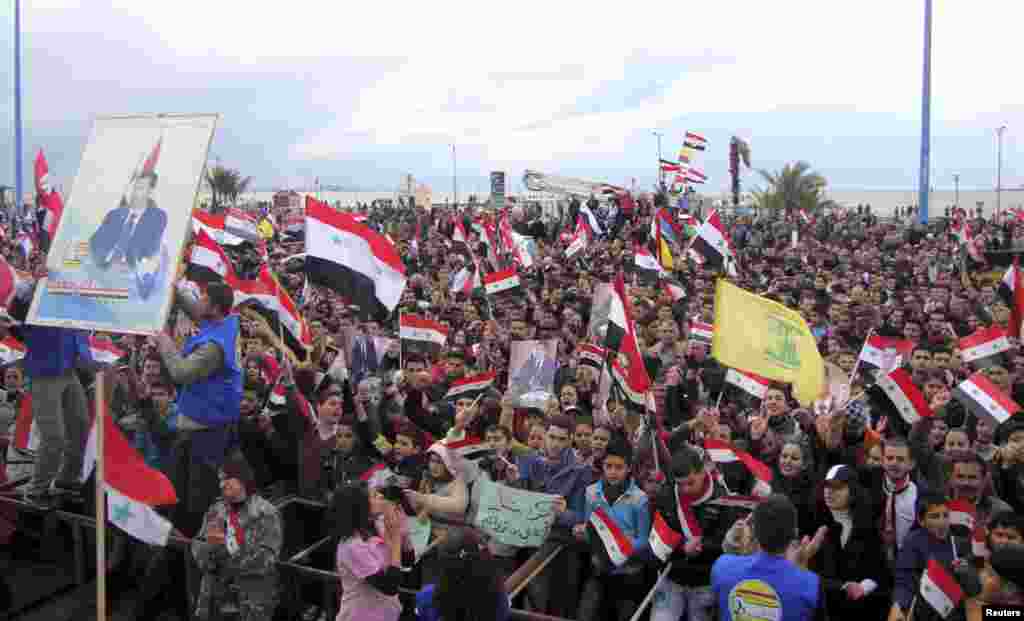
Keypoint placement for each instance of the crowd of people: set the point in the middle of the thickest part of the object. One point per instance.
(857, 503)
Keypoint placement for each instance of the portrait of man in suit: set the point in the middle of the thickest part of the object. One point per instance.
(133, 232)
(364, 360)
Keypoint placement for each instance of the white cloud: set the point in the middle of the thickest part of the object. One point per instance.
(481, 74)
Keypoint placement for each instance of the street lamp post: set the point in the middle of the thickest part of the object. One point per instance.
(660, 177)
(999, 167)
(956, 185)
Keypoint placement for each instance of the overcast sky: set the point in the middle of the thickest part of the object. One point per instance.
(357, 93)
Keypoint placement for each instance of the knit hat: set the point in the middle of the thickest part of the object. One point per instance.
(236, 467)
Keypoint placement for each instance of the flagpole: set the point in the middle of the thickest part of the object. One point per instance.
(101, 503)
(17, 107)
(650, 594)
(856, 365)
(926, 117)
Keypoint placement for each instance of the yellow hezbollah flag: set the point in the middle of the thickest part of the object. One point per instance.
(265, 228)
(764, 337)
(664, 254)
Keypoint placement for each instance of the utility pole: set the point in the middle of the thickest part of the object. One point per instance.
(956, 184)
(661, 175)
(926, 117)
(17, 108)
(999, 168)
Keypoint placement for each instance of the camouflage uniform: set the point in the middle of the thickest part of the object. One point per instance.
(248, 576)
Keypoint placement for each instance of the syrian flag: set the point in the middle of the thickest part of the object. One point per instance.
(351, 259)
(904, 395)
(985, 400)
(470, 387)
(242, 224)
(214, 227)
(592, 356)
(712, 243)
(979, 545)
(736, 501)
(687, 518)
(750, 383)
(805, 216)
(26, 432)
(694, 141)
(379, 475)
(459, 232)
(692, 175)
(470, 447)
(49, 200)
(663, 539)
(701, 332)
(630, 383)
(133, 488)
(984, 344)
(620, 337)
(580, 240)
(618, 546)
(885, 353)
(268, 298)
(647, 267)
(1011, 290)
(103, 351)
(591, 221)
(673, 289)
(962, 513)
(422, 336)
(11, 350)
(501, 282)
(723, 453)
(940, 589)
(669, 166)
(208, 261)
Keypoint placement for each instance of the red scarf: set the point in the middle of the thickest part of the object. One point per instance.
(706, 489)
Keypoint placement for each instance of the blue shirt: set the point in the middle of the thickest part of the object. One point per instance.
(426, 610)
(53, 351)
(766, 586)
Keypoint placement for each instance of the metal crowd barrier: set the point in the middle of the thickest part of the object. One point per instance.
(290, 569)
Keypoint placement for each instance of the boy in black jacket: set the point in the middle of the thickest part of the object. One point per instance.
(692, 495)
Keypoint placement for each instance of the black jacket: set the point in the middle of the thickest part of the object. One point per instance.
(861, 558)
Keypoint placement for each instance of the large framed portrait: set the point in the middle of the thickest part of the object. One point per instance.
(114, 257)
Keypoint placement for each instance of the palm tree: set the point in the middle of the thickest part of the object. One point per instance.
(793, 188)
(226, 184)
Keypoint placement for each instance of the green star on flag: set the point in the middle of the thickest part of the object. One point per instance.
(121, 513)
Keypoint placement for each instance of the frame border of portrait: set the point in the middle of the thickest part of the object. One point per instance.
(165, 310)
